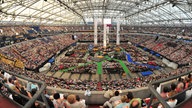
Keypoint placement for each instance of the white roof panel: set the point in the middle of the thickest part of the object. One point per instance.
(73, 11)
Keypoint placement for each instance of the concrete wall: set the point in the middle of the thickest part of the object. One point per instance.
(97, 97)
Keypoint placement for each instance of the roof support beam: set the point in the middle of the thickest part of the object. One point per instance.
(166, 20)
(184, 12)
(103, 8)
(28, 6)
(72, 10)
(33, 17)
(146, 9)
(85, 9)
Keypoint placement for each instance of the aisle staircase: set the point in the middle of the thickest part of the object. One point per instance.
(99, 86)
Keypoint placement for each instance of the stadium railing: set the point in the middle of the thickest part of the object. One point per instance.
(155, 95)
(31, 101)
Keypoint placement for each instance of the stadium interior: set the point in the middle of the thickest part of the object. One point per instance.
(95, 53)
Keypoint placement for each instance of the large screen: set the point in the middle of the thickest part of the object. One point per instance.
(107, 21)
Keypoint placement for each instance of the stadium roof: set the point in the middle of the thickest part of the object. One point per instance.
(131, 12)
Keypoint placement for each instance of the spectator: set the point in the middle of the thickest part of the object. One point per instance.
(173, 90)
(80, 100)
(129, 97)
(180, 88)
(87, 92)
(123, 103)
(135, 103)
(58, 102)
(73, 103)
(115, 100)
(158, 89)
(108, 94)
(188, 93)
(26, 93)
(165, 92)
(172, 101)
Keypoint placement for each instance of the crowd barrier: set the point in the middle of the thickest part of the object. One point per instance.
(30, 102)
(155, 95)
(96, 97)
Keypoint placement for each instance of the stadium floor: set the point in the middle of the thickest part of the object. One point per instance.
(5, 103)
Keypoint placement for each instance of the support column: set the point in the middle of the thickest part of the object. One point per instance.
(118, 34)
(107, 29)
(104, 36)
(95, 31)
(107, 34)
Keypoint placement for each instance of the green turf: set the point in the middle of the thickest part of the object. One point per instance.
(65, 70)
(71, 68)
(108, 58)
(99, 67)
(127, 71)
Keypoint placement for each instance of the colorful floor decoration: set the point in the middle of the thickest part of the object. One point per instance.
(71, 68)
(129, 59)
(146, 73)
(99, 67)
(126, 70)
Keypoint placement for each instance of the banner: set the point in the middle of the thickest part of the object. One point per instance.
(12, 62)
(19, 64)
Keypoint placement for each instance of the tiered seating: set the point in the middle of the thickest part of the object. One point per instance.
(37, 51)
(182, 55)
(167, 47)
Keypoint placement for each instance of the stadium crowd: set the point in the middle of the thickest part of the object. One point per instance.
(116, 100)
(71, 84)
(173, 49)
(33, 53)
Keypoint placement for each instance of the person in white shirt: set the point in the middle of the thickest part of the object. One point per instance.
(188, 94)
(123, 103)
(113, 101)
(82, 101)
(171, 102)
(158, 89)
(7, 75)
(87, 92)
